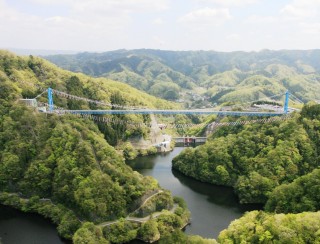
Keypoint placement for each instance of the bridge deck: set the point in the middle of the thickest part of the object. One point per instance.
(148, 111)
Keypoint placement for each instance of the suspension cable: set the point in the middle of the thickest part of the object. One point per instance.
(69, 96)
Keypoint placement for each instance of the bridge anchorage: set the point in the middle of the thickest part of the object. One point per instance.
(134, 110)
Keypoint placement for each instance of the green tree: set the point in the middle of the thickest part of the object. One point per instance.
(149, 231)
(89, 234)
(120, 232)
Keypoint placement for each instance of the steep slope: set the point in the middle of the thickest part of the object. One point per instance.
(255, 159)
(299, 196)
(43, 74)
(274, 164)
(61, 166)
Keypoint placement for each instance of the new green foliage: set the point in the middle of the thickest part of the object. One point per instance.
(31, 73)
(256, 158)
(149, 231)
(89, 233)
(260, 227)
(225, 77)
(179, 237)
(67, 160)
(303, 194)
(269, 164)
(62, 166)
(121, 232)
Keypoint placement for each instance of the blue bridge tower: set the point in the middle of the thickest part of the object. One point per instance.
(286, 102)
(50, 100)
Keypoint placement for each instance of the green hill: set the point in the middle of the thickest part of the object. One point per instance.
(260, 227)
(32, 73)
(255, 159)
(63, 168)
(274, 164)
(180, 71)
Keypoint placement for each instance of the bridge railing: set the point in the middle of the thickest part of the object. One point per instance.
(132, 110)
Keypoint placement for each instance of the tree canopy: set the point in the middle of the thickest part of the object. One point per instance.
(256, 158)
(62, 166)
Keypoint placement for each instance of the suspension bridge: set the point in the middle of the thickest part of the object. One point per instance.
(136, 110)
(163, 144)
(280, 114)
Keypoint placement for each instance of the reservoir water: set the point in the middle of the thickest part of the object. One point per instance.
(212, 207)
(17, 227)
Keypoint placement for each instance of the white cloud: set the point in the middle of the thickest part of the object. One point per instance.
(109, 5)
(257, 19)
(158, 21)
(52, 2)
(206, 16)
(158, 41)
(304, 3)
(95, 25)
(88, 24)
(310, 28)
(100, 15)
(74, 32)
(116, 6)
(293, 11)
(301, 9)
(58, 20)
(296, 11)
(6, 12)
(228, 3)
(233, 37)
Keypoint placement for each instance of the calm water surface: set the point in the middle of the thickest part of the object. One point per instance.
(17, 227)
(212, 207)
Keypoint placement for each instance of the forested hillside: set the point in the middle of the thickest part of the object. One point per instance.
(254, 159)
(216, 76)
(63, 168)
(274, 164)
(42, 74)
(261, 227)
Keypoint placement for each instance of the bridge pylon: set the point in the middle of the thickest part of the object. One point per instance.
(50, 100)
(286, 102)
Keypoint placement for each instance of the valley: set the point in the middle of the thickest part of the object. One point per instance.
(57, 160)
(202, 79)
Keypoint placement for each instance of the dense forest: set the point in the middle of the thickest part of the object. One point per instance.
(67, 169)
(261, 227)
(63, 167)
(275, 164)
(43, 74)
(256, 158)
(217, 77)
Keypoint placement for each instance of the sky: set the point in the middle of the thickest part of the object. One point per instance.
(104, 25)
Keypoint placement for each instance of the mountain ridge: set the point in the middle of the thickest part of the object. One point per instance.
(202, 72)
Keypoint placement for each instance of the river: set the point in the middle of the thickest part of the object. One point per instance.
(212, 207)
(17, 227)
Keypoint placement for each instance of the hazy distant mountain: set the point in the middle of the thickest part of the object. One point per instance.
(39, 52)
(221, 76)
